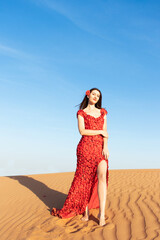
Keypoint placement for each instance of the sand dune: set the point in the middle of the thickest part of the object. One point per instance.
(132, 207)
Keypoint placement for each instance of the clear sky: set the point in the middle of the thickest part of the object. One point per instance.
(51, 52)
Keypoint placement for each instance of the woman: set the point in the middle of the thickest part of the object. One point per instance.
(89, 186)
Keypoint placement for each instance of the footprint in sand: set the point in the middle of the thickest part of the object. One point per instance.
(75, 226)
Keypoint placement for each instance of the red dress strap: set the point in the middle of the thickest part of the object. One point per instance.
(104, 111)
(80, 112)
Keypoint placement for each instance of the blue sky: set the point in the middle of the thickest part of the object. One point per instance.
(51, 52)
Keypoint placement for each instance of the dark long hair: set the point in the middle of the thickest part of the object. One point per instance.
(85, 100)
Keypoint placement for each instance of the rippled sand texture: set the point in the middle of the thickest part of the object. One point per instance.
(132, 207)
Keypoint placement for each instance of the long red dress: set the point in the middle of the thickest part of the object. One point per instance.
(83, 190)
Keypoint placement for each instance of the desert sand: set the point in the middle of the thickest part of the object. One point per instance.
(132, 207)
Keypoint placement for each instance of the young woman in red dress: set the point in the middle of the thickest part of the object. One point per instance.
(89, 186)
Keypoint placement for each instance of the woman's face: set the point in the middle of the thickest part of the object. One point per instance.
(94, 96)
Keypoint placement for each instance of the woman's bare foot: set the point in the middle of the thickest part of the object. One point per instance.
(86, 215)
(102, 221)
(85, 218)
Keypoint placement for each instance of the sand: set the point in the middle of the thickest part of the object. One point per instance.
(132, 207)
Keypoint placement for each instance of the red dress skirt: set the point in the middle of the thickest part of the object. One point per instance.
(83, 190)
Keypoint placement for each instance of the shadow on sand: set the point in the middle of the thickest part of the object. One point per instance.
(50, 197)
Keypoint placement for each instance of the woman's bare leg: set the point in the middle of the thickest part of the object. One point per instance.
(86, 215)
(101, 173)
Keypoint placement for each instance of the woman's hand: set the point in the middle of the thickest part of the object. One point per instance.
(104, 133)
(105, 152)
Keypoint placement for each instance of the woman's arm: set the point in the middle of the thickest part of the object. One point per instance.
(105, 139)
(90, 132)
(83, 131)
(105, 151)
